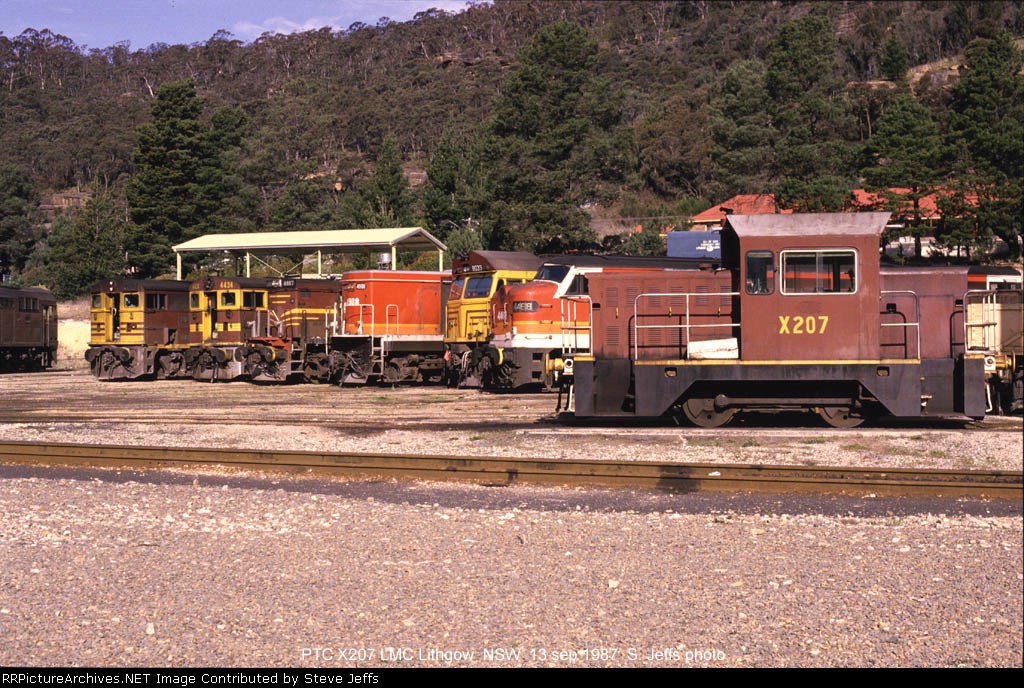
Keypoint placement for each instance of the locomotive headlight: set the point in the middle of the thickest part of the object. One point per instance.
(525, 306)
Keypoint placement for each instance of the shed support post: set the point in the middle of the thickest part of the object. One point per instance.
(394, 257)
(319, 263)
(440, 260)
(178, 257)
(248, 264)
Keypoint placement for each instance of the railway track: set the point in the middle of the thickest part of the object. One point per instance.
(510, 471)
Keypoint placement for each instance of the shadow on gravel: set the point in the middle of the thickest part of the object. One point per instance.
(530, 497)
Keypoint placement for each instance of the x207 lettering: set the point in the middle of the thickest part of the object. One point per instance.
(800, 324)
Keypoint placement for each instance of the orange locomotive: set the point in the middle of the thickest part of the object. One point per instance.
(540, 325)
(391, 328)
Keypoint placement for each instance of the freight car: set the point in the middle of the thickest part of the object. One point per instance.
(28, 329)
(801, 316)
(390, 329)
(470, 313)
(263, 330)
(138, 329)
(540, 324)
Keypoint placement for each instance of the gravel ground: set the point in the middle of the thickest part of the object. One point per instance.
(104, 568)
(73, 407)
(175, 568)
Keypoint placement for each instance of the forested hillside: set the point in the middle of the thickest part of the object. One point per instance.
(514, 125)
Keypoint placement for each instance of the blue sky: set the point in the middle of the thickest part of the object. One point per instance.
(102, 23)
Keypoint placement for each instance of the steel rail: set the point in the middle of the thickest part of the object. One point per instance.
(508, 471)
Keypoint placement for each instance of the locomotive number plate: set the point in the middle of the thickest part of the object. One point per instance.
(801, 324)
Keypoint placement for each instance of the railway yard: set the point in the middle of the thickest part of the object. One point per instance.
(193, 566)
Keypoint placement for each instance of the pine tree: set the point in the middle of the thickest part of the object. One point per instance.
(19, 221)
(387, 192)
(179, 183)
(444, 197)
(555, 143)
(86, 245)
(815, 127)
(906, 152)
(987, 128)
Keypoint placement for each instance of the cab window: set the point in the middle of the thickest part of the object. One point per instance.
(252, 299)
(478, 287)
(456, 291)
(97, 301)
(156, 302)
(193, 300)
(579, 286)
(131, 300)
(227, 298)
(819, 272)
(760, 272)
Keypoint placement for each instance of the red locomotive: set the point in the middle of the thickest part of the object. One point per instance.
(801, 317)
(28, 328)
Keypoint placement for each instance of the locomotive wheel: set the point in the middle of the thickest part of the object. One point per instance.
(840, 416)
(703, 413)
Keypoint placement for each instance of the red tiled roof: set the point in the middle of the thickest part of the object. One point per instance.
(764, 204)
(743, 204)
(928, 205)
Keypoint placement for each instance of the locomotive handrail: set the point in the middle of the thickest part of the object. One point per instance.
(387, 330)
(907, 325)
(683, 328)
(571, 333)
(989, 317)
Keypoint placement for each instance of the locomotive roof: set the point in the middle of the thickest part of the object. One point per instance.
(808, 224)
(123, 284)
(589, 261)
(38, 292)
(478, 261)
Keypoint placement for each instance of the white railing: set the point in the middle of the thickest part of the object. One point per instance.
(915, 325)
(982, 331)
(569, 312)
(685, 327)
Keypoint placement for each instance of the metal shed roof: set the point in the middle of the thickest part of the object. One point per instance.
(808, 224)
(341, 240)
(304, 242)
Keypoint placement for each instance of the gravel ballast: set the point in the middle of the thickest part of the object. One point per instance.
(218, 568)
(209, 570)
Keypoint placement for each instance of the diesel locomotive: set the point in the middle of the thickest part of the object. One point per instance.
(138, 329)
(28, 329)
(800, 316)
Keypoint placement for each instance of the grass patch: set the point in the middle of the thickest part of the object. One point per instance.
(814, 440)
(751, 443)
(855, 447)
